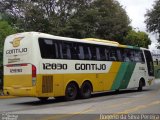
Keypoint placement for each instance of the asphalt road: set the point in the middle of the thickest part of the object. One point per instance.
(108, 105)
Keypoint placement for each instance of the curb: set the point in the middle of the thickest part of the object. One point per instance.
(6, 97)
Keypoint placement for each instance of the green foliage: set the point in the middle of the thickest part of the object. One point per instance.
(139, 39)
(5, 30)
(153, 19)
(157, 71)
(104, 19)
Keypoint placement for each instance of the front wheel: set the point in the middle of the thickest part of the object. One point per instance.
(71, 92)
(140, 87)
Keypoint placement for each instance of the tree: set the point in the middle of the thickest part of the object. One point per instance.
(139, 39)
(153, 19)
(104, 19)
(41, 15)
(5, 30)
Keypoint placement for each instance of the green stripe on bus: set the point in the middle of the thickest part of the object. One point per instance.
(127, 75)
(120, 76)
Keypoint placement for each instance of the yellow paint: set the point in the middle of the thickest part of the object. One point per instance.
(101, 40)
(17, 80)
(122, 46)
(7, 97)
(21, 85)
(16, 41)
(150, 81)
(110, 77)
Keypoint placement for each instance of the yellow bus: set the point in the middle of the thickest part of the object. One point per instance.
(42, 65)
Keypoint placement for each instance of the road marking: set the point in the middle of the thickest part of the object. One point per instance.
(139, 107)
(129, 100)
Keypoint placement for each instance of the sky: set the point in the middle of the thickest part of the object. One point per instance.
(136, 10)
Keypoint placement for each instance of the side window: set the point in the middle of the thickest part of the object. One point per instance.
(142, 57)
(87, 52)
(65, 50)
(102, 53)
(75, 54)
(107, 53)
(139, 56)
(113, 54)
(128, 55)
(119, 54)
(132, 55)
(48, 48)
(93, 51)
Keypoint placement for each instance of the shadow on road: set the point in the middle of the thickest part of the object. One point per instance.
(100, 96)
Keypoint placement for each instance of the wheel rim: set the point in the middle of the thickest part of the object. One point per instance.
(87, 89)
(71, 91)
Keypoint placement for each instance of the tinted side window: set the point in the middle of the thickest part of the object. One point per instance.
(65, 50)
(113, 54)
(139, 56)
(103, 53)
(93, 51)
(75, 52)
(48, 48)
(87, 52)
(128, 55)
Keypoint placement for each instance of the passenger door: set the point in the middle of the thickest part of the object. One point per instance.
(149, 62)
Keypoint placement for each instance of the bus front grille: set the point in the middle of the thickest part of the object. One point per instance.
(47, 84)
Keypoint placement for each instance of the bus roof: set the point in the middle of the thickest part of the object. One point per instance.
(101, 40)
(85, 40)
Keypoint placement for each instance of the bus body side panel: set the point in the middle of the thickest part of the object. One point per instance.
(138, 73)
(54, 83)
(61, 72)
(120, 76)
(110, 77)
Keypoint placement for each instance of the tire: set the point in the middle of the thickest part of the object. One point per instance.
(43, 99)
(117, 91)
(140, 87)
(71, 92)
(85, 90)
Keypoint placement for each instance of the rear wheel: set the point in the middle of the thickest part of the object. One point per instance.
(71, 92)
(43, 99)
(140, 87)
(86, 90)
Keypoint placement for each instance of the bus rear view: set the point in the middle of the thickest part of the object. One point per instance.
(19, 70)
